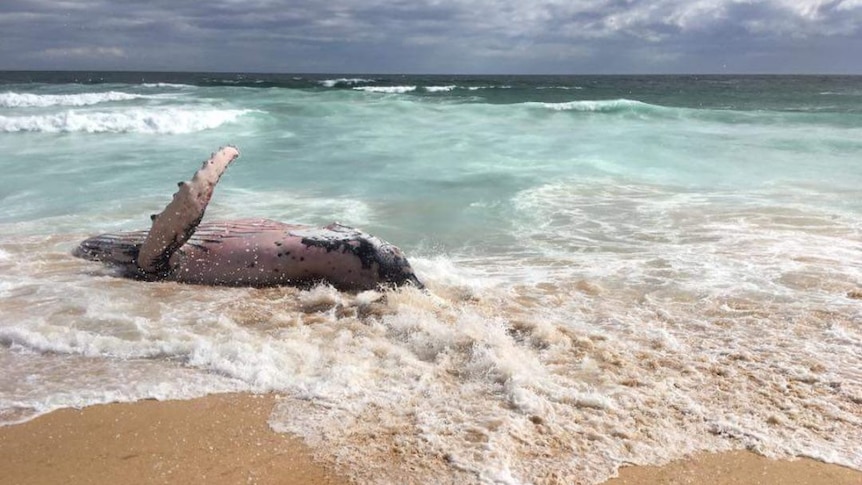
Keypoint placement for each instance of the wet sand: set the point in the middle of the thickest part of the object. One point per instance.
(225, 439)
(738, 468)
(219, 439)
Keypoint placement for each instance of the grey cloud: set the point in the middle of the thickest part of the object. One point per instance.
(434, 35)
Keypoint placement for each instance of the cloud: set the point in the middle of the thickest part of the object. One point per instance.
(431, 35)
(83, 52)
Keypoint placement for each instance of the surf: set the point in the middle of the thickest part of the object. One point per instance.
(154, 121)
(11, 99)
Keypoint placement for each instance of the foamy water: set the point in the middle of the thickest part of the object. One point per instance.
(386, 89)
(153, 121)
(331, 83)
(611, 280)
(27, 100)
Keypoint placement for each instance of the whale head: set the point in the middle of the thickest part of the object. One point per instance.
(382, 261)
(394, 268)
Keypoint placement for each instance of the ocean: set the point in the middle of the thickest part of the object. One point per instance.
(620, 269)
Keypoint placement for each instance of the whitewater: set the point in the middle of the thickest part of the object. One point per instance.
(620, 270)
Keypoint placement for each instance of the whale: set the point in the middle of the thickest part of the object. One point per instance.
(180, 247)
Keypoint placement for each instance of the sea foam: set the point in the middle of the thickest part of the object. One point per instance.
(386, 89)
(167, 85)
(12, 99)
(138, 120)
(440, 89)
(331, 83)
(487, 373)
(599, 106)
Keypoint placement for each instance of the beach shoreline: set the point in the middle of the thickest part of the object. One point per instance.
(225, 438)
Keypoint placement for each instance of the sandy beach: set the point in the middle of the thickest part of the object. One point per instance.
(225, 439)
(218, 439)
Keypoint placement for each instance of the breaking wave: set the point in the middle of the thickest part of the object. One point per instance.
(27, 100)
(12, 99)
(167, 85)
(602, 106)
(150, 121)
(331, 83)
(564, 88)
(386, 89)
(439, 89)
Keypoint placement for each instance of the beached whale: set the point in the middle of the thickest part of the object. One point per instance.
(249, 252)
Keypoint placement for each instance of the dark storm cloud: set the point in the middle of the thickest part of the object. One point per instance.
(434, 35)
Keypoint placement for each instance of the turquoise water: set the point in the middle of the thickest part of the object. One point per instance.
(621, 269)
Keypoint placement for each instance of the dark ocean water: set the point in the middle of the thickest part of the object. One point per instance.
(839, 94)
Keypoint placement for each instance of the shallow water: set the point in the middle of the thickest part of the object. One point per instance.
(621, 270)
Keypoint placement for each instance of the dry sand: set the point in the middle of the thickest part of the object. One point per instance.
(225, 439)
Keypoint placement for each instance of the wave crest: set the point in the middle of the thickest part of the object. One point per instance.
(601, 106)
(149, 121)
(440, 89)
(386, 89)
(167, 85)
(12, 99)
(331, 83)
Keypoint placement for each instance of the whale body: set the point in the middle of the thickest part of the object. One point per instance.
(247, 252)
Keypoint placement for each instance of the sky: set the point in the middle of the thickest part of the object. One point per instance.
(435, 36)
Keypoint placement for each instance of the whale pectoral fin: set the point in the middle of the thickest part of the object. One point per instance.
(176, 224)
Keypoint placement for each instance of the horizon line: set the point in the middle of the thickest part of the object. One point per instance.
(369, 73)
